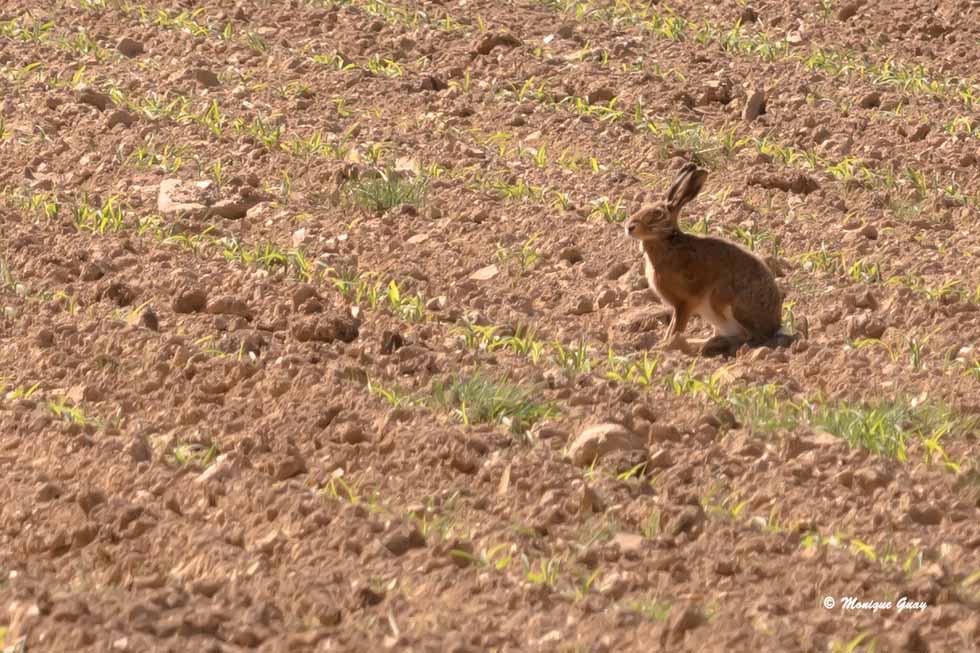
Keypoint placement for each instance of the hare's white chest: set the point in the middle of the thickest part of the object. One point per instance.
(651, 276)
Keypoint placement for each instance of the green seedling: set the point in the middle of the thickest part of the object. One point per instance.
(386, 189)
(195, 453)
(495, 557)
(478, 399)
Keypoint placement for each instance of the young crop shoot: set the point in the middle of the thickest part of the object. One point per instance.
(478, 399)
(386, 189)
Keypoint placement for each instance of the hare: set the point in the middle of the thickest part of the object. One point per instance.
(729, 287)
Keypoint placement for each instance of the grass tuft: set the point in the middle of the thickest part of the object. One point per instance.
(883, 426)
(386, 189)
(478, 399)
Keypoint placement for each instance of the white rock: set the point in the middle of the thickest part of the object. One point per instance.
(596, 441)
(485, 274)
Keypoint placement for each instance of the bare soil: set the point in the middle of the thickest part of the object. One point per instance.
(224, 352)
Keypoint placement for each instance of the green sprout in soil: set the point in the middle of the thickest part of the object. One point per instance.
(387, 189)
(478, 399)
(883, 426)
(652, 609)
(194, 453)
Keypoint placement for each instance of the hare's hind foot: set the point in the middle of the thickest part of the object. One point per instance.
(716, 345)
(676, 342)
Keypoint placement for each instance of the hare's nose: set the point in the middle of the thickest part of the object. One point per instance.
(631, 227)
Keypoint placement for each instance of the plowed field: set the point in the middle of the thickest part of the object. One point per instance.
(319, 329)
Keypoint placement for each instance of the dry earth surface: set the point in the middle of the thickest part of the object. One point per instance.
(320, 331)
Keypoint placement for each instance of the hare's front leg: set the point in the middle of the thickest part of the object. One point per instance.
(678, 322)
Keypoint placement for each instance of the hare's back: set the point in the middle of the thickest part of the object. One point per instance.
(747, 285)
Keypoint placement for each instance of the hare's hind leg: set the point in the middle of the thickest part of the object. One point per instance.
(720, 315)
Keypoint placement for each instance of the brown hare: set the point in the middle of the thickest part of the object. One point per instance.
(728, 286)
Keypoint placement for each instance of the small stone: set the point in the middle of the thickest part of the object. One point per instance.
(663, 433)
(551, 431)
(614, 585)
(486, 273)
(596, 441)
(926, 515)
(571, 255)
(268, 544)
(391, 342)
(690, 520)
(582, 306)
(727, 567)
(432, 83)
(88, 500)
(120, 117)
(367, 597)
(193, 300)
(865, 326)
(354, 434)
(721, 418)
(716, 91)
(140, 451)
(220, 469)
(436, 304)
(921, 133)
(849, 9)
(464, 463)
(300, 236)
(629, 544)
(233, 208)
(228, 305)
(661, 459)
(869, 231)
(601, 95)
(616, 271)
(48, 492)
(868, 479)
(871, 100)
(206, 587)
(205, 77)
(493, 39)
(755, 106)
(92, 272)
(175, 198)
(605, 298)
(302, 293)
(149, 319)
(683, 618)
(94, 98)
(403, 539)
(44, 338)
(290, 466)
(129, 47)
(865, 299)
(591, 500)
(325, 329)
(908, 639)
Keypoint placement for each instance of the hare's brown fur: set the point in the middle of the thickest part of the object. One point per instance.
(726, 285)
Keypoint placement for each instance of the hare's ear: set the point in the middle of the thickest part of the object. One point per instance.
(686, 187)
(682, 174)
